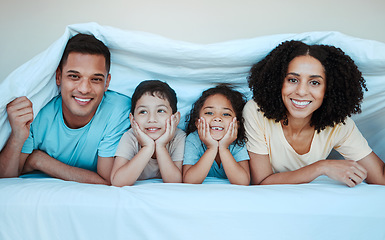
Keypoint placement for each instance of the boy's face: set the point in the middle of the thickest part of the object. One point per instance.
(151, 114)
(83, 81)
(218, 112)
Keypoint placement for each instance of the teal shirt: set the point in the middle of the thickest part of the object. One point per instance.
(195, 148)
(80, 147)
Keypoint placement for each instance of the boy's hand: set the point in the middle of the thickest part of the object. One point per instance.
(20, 115)
(205, 135)
(231, 134)
(171, 126)
(143, 139)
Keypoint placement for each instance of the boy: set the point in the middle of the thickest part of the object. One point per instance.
(154, 146)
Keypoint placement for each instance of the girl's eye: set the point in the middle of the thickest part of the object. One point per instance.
(227, 114)
(209, 113)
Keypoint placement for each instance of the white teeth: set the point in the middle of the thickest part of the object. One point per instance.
(217, 128)
(82, 99)
(302, 103)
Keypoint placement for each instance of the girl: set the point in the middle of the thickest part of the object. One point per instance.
(303, 97)
(216, 137)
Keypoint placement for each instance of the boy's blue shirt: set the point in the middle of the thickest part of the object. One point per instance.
(80, 147)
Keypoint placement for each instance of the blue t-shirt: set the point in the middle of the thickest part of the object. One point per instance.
(195, 148)
(80, 147)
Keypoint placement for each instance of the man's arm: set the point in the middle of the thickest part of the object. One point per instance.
(39, 160)
(20, 115)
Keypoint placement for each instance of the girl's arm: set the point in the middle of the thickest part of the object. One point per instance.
(171, 171)
(375, 167)
(125, 172)
(347, 171)
(236, 172)
(198, 172)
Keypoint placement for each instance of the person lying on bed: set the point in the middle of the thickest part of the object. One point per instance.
(154, 146)
(74, 137)
(303, 97)
(215, 143)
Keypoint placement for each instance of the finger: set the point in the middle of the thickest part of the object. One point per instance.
(350, 182)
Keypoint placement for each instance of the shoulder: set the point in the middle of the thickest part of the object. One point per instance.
(251, 109)
(115, 99)
(49, 110)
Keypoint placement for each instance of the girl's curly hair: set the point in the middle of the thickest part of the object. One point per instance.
(344, 83)
(237, 99)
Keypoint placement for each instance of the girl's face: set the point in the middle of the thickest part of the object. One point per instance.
(218, 112)
(304, 87)
(151, 114)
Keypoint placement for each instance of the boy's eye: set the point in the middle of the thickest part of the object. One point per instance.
(161, 111)
(142, 112)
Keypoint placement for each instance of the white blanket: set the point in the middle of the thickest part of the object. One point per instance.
(190, 68)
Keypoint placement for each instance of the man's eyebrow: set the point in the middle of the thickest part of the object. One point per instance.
(77, 72)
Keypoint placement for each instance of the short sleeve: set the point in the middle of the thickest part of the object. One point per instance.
(240, 153)
(176, 148)
(128, 146)
(192, 149)
(352, 145)
(255, 128)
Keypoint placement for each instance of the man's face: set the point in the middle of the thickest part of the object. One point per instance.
(83, 81)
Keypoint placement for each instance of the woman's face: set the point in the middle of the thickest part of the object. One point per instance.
(304, 87)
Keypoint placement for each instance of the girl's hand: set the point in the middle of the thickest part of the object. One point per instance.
(231, 134)
(347, 171)
(171, 126)
(143, 139)
(204, 134)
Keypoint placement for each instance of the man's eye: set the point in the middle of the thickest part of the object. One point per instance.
(97, 80)
(73, 76)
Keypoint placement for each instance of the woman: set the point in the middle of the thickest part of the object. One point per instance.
(303, 97)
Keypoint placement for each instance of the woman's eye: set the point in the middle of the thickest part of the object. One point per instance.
(315, 83)
(292, 80)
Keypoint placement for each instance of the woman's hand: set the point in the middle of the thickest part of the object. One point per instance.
(347, 171)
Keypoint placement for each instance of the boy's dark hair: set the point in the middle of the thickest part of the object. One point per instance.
(237, 100)
(86, 44)
(154, 88)
(344, 83)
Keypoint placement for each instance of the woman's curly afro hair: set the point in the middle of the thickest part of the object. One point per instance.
(238, 101)
(344, 83)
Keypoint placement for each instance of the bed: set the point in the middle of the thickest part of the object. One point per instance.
(39, 207)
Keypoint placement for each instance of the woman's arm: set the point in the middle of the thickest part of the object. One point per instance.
(346, 171)
(375, 167)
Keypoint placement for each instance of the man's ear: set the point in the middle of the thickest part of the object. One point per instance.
(107, 82)
(58, 76)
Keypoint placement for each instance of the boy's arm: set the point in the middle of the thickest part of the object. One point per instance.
(171, 171)
(20, 115)
(39, 160)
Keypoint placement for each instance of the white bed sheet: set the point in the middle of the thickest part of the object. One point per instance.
(34, 208)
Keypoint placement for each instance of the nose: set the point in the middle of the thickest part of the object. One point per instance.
(217, 118)
(84, 86)
(152, 117)
(302, 88)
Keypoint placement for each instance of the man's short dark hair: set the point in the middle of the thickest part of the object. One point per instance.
(86, 44)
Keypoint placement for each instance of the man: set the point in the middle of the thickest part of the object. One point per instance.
(74, 137)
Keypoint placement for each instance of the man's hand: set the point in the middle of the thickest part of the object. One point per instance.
(20, 115)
